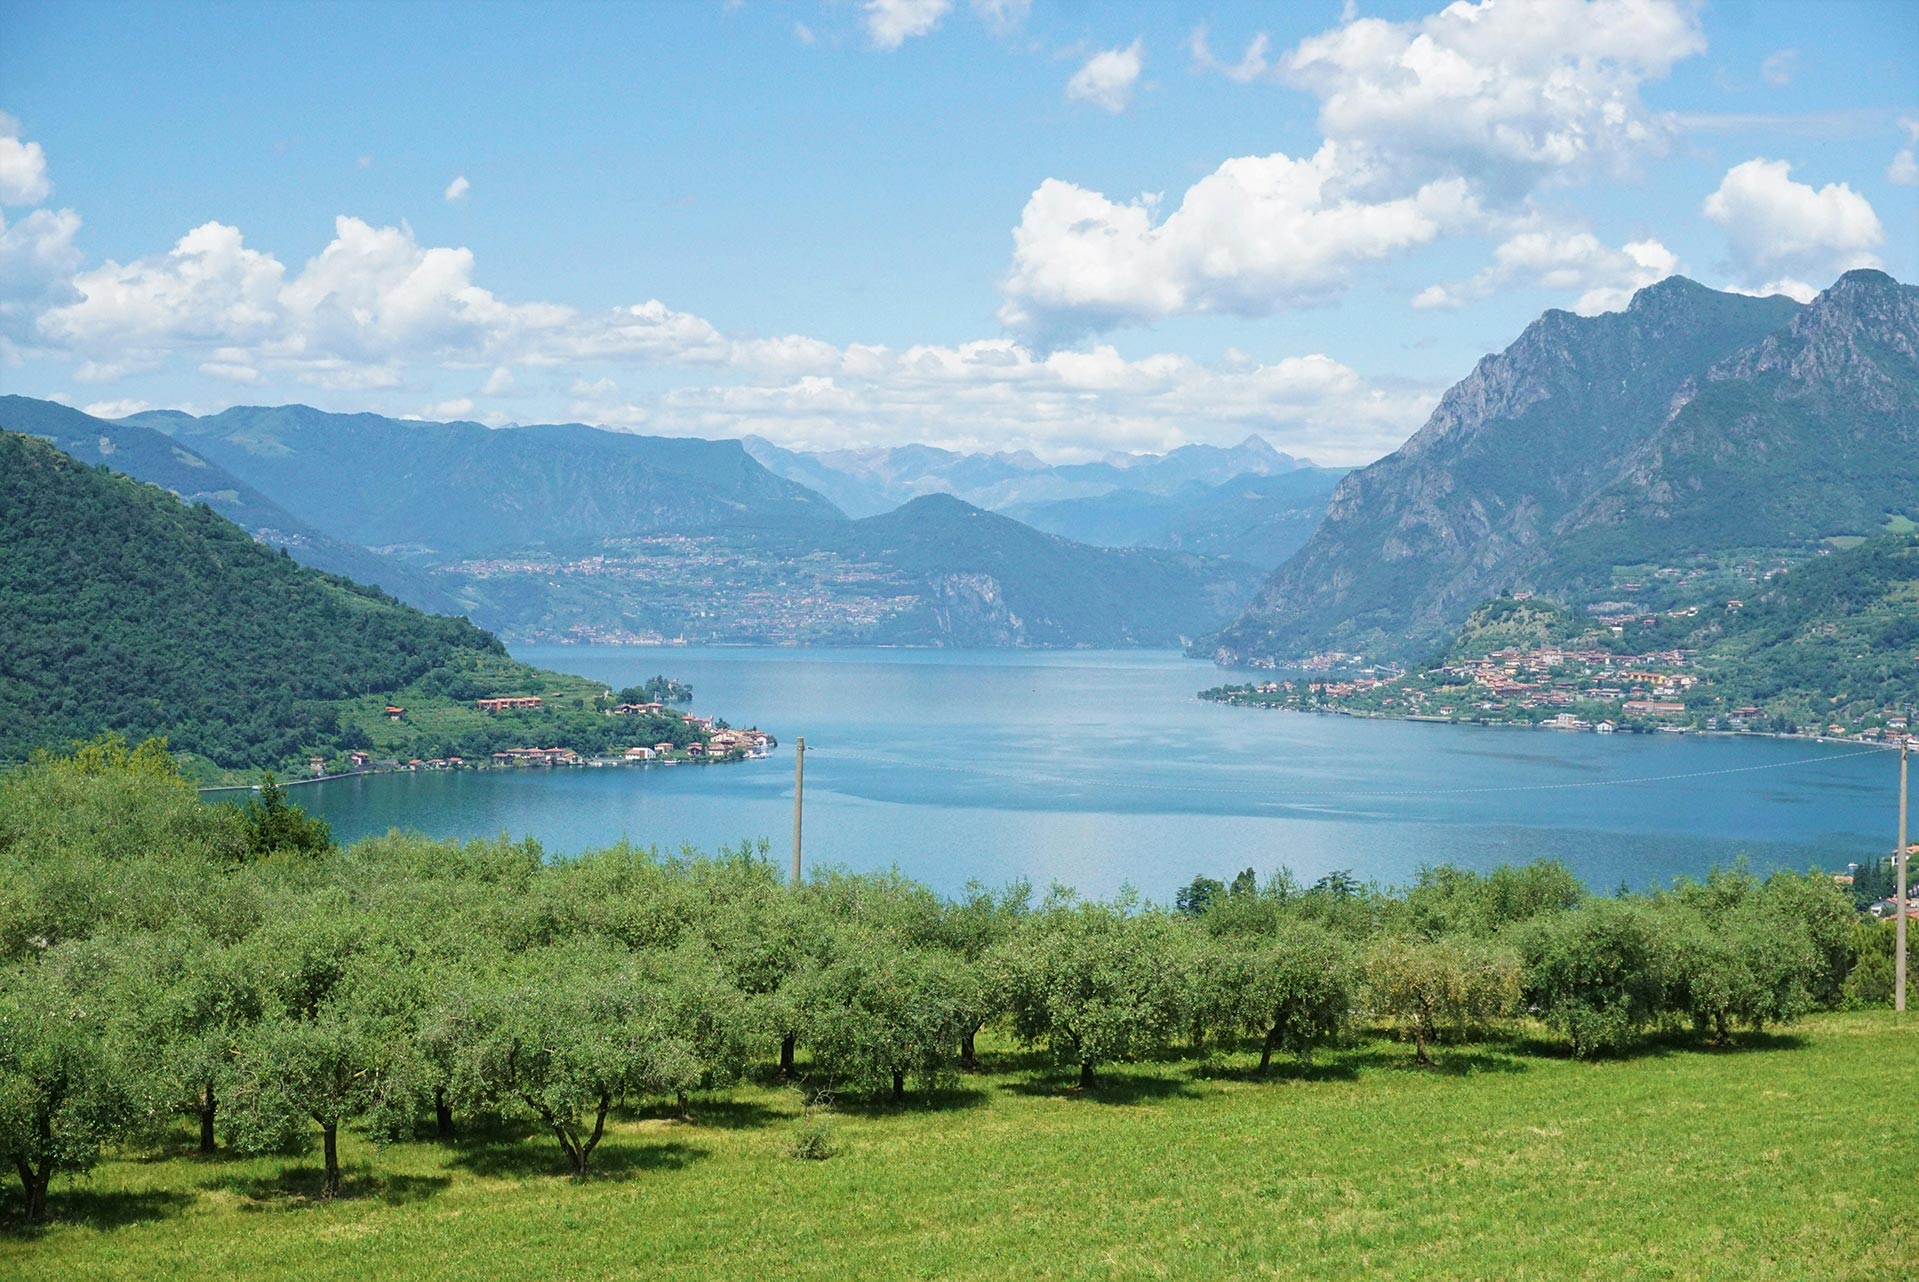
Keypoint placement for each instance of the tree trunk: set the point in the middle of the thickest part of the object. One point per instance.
(786, 1055)
(1086, 1074)
(593, 1140)
(899, 1085)
(442, 1114)
(1420, 1057)
(1266, 1050)
(330, 1182)
(969, 1061)
(35, 1183)
(685, 1112)
(207, 1105)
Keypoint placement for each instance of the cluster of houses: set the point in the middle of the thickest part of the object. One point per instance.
(509, 703)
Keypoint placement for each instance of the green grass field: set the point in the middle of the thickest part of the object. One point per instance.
(1782, 1158)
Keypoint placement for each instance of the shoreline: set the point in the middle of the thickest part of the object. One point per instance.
(592, 763)
(1677, 731)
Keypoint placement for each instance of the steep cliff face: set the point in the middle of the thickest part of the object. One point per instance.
(1475, 500)
(1811, 432)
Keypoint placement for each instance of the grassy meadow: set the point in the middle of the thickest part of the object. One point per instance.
(1783, 1156)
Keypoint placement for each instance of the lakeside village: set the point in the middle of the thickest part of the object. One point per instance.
(712, 743)
(1549, 687)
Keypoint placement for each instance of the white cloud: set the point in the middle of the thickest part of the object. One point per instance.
(459, 407)
(1904, 169)
(1252, 65)
(891, 23)
(1108, 78)
(1507, 94)
(23, 167)
(116, 408)
(498, 383)
(1432, 127)
(1785, 231)
(37, 261)
(1777, 69)
(1259, 233)
(456, 190)
(1566, 261)
(997, 394)
(803, 33)
(373, 299)
(1003, 16)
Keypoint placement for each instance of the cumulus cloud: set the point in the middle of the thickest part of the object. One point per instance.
(891, 23)
(23, 167)
(1507, 94)
(1108, 78)
(1904, 169)
(38, 258)
(1259, 233)
(456, 190)
(1432, 127)
(1784, 232)
(1567, 261)
(372, 299)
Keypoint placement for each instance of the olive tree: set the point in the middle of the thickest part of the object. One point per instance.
(1092, 983)
(336, 1044)
(882, 1011)
(1431, 988)
(568, 1032)
(1750, 967)
(68, 1084)
(1599, 973)
(1293, 990)
(972, 927)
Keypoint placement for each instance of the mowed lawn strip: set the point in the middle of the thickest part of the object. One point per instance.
(1780, 1158)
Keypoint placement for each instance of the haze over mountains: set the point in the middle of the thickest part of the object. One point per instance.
(1693, 425)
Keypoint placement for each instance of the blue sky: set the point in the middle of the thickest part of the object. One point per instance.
(1065, 227)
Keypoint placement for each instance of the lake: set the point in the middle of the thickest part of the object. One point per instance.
(1101, 768)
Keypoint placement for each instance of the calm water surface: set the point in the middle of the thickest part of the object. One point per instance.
(1101, 768)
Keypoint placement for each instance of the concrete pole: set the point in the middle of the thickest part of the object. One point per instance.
(799, 794)
(1899, 910)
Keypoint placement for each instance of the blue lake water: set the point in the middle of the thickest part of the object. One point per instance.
(1101, 768)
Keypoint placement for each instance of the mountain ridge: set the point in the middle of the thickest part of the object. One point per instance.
(1524, 474)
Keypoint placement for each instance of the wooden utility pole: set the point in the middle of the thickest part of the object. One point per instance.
(799, 797)
(1901, 904)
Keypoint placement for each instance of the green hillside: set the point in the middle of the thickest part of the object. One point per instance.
(124, 609)
(148, 455)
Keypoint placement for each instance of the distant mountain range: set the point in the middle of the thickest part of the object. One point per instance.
(1597, 454)
(567, 532)
(868, 482)
(443, 491)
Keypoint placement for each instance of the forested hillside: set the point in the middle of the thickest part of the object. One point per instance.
(124, 609)
(147, 455)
